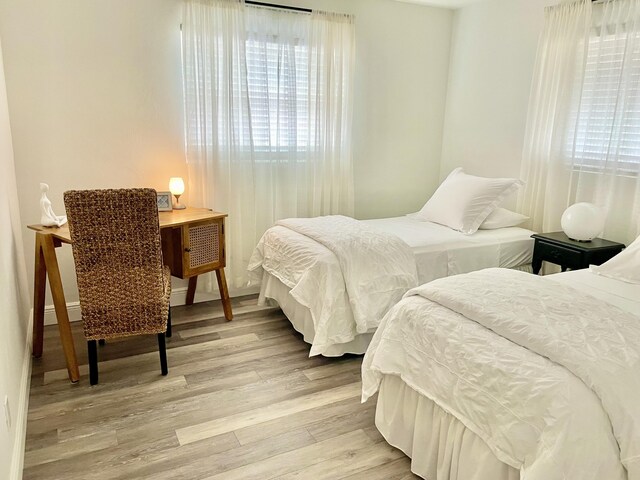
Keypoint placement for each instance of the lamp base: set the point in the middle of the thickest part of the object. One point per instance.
(576, 240)
(178, 205)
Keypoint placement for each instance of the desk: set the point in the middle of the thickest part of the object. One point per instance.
(192, 244)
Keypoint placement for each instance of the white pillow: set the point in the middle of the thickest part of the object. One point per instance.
(625, 266)
(463, 202)
(502, 218)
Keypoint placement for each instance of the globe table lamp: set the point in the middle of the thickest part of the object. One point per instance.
(176, 187)
(583, 221)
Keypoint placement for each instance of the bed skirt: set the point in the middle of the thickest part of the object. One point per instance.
(300, 317)
(439, 445)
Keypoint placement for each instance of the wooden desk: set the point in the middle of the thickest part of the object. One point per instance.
(192, 244)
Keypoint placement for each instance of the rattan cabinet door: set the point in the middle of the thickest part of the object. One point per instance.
(203, 247)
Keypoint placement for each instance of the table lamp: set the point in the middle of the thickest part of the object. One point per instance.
(176, 187)
(583, 221)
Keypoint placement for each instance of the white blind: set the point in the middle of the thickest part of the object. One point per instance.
(607, 128)
(278, 83)
(271, 71)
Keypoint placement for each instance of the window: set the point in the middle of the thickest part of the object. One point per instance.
(278, 92)
(607, 125)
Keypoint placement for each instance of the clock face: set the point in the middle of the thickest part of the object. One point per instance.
(164, 201)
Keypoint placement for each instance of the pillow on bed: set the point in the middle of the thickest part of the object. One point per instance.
(462, 202)
(625, 266)
(502, 218)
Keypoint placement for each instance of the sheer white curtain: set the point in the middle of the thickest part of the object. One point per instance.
(268, 97)
(583, 131)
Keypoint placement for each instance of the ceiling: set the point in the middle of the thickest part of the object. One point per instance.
(443, 3)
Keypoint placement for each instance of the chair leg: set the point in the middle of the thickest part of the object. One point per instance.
(92, 346)
(169, 323)
(162, 347)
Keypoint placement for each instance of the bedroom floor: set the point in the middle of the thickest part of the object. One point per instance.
(242, 401)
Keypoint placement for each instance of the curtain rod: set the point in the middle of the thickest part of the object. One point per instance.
(281, 7)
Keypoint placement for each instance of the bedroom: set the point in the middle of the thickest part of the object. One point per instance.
(94, 99)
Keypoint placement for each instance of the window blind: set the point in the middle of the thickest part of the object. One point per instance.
(607, 127)
(278, 84)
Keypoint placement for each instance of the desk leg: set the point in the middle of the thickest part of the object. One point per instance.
(224, 294)
(60, 304)
(191, 289)
(39, 286)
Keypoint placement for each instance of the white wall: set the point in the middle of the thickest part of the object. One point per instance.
(15, 356)
(493, 54)
(402, 63)
(95, 97)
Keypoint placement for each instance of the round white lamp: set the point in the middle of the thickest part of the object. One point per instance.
(583, 221)
(176, 187)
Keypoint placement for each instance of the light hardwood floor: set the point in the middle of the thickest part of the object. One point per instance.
(242, 401)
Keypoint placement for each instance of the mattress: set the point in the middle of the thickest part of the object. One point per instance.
(441, 251)
(440, 446)
(285, 258)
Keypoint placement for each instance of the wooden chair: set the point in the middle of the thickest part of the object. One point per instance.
(123, 285)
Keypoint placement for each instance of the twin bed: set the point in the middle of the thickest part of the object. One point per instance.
(335, 277)
(482, 373)
(499, 375)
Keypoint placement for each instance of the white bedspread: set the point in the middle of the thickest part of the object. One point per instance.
(375, 270)
(546, 375)
(314, 273)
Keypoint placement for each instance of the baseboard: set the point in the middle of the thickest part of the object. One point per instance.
(178, 297)
(73, 309)
(17, 462)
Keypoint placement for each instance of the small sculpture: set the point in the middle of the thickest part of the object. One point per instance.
(48, 217)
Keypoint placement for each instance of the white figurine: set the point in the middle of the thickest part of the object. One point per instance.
(48, 218)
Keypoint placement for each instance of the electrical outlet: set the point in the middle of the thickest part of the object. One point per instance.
(7, 411)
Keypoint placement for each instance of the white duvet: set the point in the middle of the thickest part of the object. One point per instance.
(547, 376)
(374, 269)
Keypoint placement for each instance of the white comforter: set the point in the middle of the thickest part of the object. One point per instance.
(547, 376)
(375, 270)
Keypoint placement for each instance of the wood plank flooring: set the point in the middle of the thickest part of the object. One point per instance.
(242, 400)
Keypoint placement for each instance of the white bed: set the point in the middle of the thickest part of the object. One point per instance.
(284, 257)
(465, 403)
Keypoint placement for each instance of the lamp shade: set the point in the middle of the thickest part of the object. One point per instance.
(583, 221)
(176, 185)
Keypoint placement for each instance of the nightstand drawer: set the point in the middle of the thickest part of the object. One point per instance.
(559, 255)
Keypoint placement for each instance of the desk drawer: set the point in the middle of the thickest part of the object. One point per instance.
(194, 248)
(203, 245)
(559, 255)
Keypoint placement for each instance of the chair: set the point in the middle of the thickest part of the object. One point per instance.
(123, 285)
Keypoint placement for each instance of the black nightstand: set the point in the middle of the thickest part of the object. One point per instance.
(557, 248)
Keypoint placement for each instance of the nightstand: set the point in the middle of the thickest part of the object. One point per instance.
(557, 248)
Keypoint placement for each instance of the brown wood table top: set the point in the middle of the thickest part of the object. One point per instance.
(174, 218)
